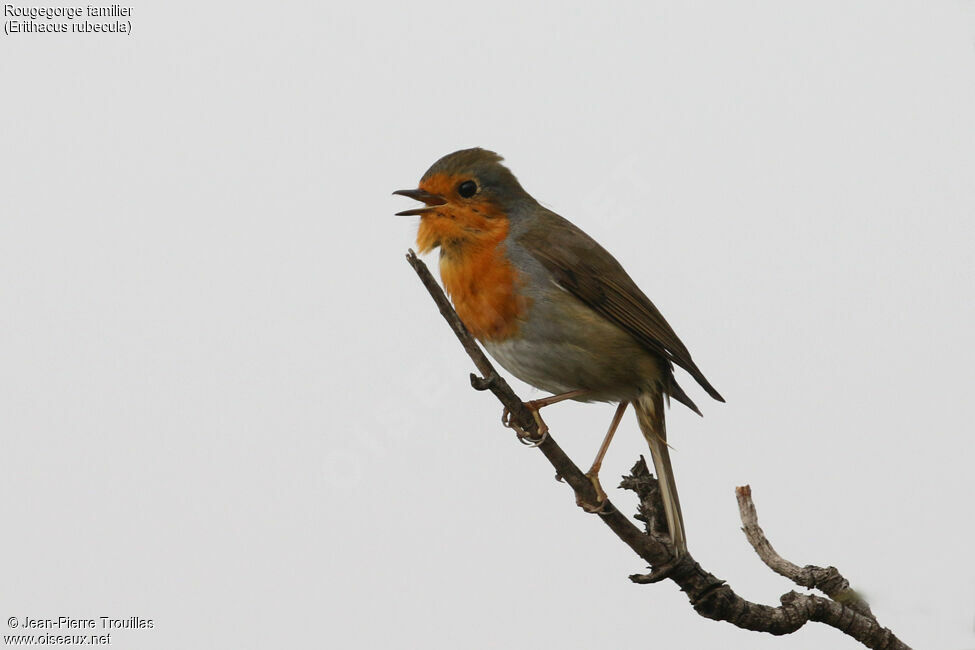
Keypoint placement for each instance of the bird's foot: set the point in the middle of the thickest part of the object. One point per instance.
(603, 507)
(524, 437)
(534, 406)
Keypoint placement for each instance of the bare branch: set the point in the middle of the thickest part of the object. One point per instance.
(828, 580)
(710, 596)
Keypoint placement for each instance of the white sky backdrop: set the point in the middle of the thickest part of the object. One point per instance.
(228, 405)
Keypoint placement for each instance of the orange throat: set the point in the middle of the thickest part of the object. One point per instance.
(476, 273)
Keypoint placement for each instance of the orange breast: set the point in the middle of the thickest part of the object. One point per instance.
(483, 287)
(476, 273)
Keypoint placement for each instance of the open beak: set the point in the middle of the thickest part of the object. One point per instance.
(432, 201)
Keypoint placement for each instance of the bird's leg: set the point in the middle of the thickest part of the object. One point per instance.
(537, 404)
(593, 473)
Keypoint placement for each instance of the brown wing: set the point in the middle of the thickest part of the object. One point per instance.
(586, 270)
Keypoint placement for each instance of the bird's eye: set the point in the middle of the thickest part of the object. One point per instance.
(467, 189)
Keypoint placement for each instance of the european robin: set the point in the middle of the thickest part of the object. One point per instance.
(551, 305)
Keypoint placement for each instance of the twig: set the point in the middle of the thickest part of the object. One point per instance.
(710, 597)
(828, 580)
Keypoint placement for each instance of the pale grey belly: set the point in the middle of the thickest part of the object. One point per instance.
(567, 347)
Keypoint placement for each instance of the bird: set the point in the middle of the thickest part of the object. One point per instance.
(552, 306)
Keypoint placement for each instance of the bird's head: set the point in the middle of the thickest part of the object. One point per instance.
(468, 196)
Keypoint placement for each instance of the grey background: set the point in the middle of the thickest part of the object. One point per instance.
(228, 405)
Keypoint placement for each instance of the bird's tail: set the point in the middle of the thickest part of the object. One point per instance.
(650, 414)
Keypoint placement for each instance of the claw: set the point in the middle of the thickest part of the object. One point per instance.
(594, 479)
(521, 433)
(601, 509)
(542, 427)
(604, 507)
(532, 442)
